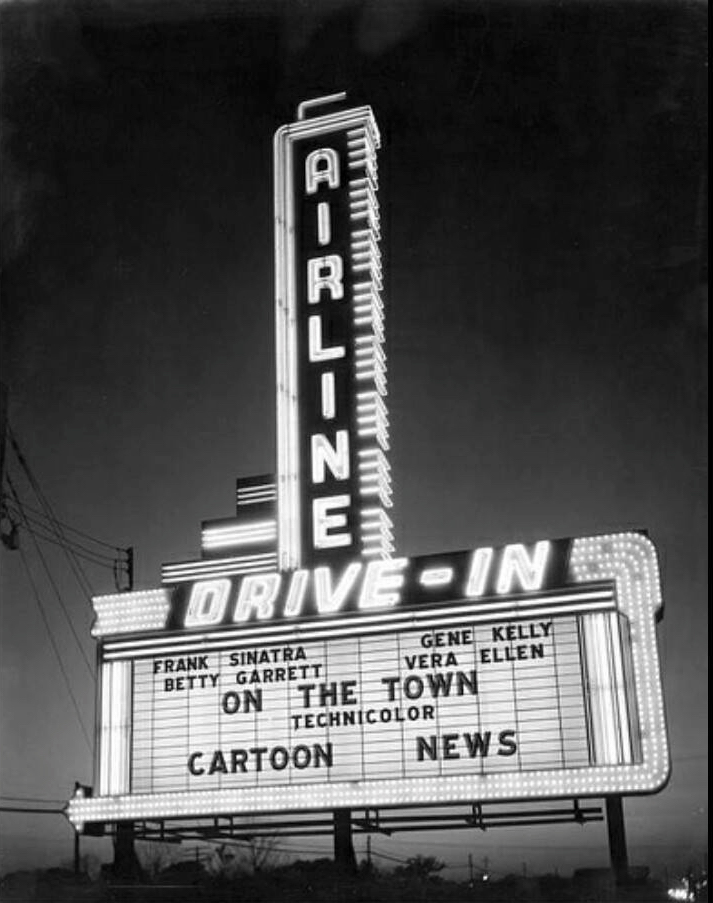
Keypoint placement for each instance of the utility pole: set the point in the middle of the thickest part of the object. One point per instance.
(126, 864)
(470, 869)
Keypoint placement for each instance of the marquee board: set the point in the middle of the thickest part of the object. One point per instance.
(298, 665)
(440, 683)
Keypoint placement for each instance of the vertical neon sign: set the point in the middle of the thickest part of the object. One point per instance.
(333, 477)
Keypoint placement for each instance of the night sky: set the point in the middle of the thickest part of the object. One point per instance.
(542, 181)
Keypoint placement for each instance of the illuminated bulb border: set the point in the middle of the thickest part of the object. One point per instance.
(630, 560)
(134, 611)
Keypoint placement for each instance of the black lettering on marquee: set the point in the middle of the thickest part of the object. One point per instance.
(476, 745)
(245, 701)
(259, 757)
(457, 683)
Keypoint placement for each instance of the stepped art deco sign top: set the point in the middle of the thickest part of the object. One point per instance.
(300, 664)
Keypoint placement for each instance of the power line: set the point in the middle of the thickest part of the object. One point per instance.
(78, 532)
(72, 549)
(55, 588)
(98, 559)
(29, 799)
(41, 524)
(107, 563)
(55, 649)
(54, 523)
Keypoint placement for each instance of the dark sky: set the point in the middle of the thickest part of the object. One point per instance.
(543, 185)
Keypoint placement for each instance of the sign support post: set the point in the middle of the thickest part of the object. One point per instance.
(344, 855)
(617, 838)
(126, 865)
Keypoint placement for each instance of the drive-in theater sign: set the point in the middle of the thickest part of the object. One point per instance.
(300, 663)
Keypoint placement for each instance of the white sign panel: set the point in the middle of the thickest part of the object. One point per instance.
(502, 698)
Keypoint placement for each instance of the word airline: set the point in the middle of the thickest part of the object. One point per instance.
(332, 464)
(330, 455)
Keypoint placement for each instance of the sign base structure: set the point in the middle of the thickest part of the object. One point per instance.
(299, 666)
(386, 821)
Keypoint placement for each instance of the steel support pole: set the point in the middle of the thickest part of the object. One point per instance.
(343, 845)
(126, 864)
(618, 854)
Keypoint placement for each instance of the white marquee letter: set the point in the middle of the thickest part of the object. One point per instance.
(324, 224)
(316, 351)
(331, 599)
(207, 603)
(316, 173)
(257, 591)
(323, 522)
(296, 593)
(317, 279)
(329, 396)
(479, 569)
(324, 455)
(517, 563)
(382, 582)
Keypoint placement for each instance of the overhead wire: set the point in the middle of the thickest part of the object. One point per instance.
(107, 563)
(73, 550)
(40, 524)
(81, 533)
(110, 566)
(74, 564)
(54, 586)
(55, 649)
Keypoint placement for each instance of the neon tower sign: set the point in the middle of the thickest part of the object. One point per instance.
(333, 473)
(297, 664)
